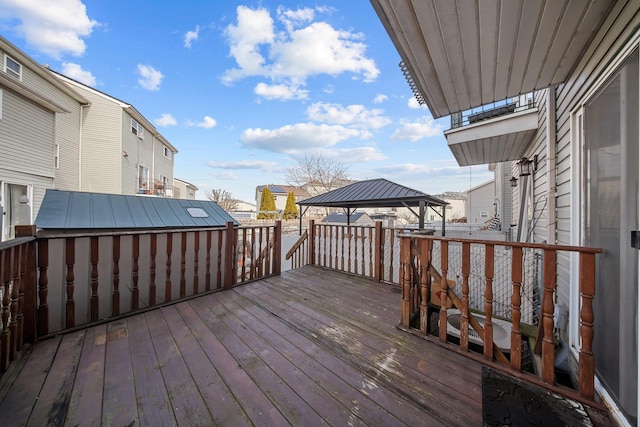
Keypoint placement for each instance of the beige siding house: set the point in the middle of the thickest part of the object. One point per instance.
(183, 189)
(121, 152)
(576, 64)
(39, 135)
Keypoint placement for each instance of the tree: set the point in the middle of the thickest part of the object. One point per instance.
(223, 197)
(290, 210)
(267, 204)
(318, 174)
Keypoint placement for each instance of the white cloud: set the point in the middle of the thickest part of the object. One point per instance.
(150, 78)
(414, 131)
(207, 123)
(76, 72)
(281, 92)
(380, 98)
(191, 36)
(415, 105)
(301, 49)
(262, 165)
(166, 120)
(354, 115)
(226, 176)
(354, 155)
(299, 137)
(52, 27)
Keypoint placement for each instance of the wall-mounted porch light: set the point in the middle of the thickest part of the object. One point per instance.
(528, 167)
(514, 182)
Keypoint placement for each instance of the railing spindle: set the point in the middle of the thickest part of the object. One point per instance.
(5, 337)
(548, 346)
(516, 301)
(489, 263)
(196, 262)
(183, 264)
(135, 291)
(70, 315)
(425, 260)
(95, 302)
(464, 318)
(219, 283)
(586, 361)
(153, 251)
(207, 275)
(444, 267)
(13, 324)
(167, 282)
(115, 302)
(43, 287)
(405, 277)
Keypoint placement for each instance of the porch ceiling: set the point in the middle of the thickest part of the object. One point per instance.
(462, 54)
(501, 139)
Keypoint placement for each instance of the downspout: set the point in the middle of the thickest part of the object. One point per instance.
(80, 147)
(551, 165)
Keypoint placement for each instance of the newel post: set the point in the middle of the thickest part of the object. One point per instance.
(312, 242)
(378, 273)
(277, 248)
(228, 255)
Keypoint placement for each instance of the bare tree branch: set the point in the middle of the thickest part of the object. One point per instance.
(223, 197)
(318, 174)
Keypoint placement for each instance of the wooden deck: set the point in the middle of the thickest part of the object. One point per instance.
(309, 347)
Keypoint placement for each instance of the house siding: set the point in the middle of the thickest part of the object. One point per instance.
(162, 166)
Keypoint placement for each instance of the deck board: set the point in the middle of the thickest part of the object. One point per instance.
(308, 347)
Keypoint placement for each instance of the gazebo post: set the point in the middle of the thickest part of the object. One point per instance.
(421, 215)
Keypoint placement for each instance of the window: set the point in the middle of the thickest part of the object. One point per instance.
(484, 214)
(144, 184)
(56, 156)
(12, 67)
(166, 152)
(137, 129)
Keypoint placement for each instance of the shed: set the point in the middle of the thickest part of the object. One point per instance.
(357, 218)
(377, 193)
(75, 211)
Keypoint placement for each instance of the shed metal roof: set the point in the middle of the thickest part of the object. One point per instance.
(66, 210)
(373, 193)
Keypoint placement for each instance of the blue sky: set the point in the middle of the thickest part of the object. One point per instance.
(244, 89)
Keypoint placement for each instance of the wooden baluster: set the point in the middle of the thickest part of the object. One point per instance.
(28, 289)
(516, 311)
(135, 292)
(207, 276)
(167, 283)
(363, 262)
(323, 244)
(378, 247)
(43, 287)
(196, 262)
(115, 296)
(586, 361)
(24, 253)
(183, 264)
(13, 324)
(331, 246)
(5, 338)
(277, 248)
(254, 255)
(444, 266)
(349, 249)
(70, 285)
(372, 255)
(392, 237)
(95, 302)
(548, 346)
(464, 319)
(153, 250)
(219, 266)
(425, 260)
(267, 261)
(489, 262)
(234, 256)
(405, 280)
(243, 254)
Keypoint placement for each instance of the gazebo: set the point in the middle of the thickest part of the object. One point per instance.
(377, 193)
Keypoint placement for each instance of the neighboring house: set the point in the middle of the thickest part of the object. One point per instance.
(480, 205)
(315, 188)
(280, 194)
(39, 135)
(244, 211)
(183, 189)
(554, 83)
(122, 152)
(340, 218)
(457, 205)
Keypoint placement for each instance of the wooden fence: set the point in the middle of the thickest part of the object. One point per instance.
(54, 283)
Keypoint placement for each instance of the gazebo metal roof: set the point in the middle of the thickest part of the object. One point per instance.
(376, 193)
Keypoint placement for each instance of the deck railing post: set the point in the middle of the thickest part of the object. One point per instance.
(548, 346)
(378, 252)
(312, 242)
(28, 285)
(425, 284)
(228, 255)
(586, 361)
(277, 248)
(405, 279)
(444, 288)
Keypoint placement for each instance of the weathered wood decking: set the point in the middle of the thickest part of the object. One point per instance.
(309, 347)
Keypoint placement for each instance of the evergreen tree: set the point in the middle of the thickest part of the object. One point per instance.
(290, 210)
(267, 204)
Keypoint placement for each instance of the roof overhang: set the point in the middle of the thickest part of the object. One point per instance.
(462, 54)
(501, 139)
(24, 90)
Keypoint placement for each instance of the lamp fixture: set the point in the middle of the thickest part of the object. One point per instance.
(526, 166)
(514, 182)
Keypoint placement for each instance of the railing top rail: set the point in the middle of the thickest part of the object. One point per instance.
(543, 246)
(298, 243)
(15, 242)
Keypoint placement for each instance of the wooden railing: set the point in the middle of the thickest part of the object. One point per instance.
(298, 254)
(419, 273)
(85, 278)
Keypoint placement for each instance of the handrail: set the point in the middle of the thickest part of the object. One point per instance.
(462, 258)
(297, 245)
